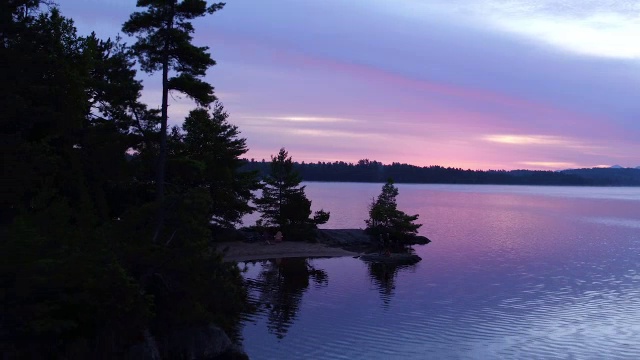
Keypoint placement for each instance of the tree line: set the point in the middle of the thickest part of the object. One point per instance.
(375, 171)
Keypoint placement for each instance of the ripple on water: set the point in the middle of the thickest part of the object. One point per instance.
(549, 317)
(631, 223)
(524, 285)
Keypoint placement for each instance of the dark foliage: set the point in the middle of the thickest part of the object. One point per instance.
(206, 154)
(386, 220)
(608, 176)
(163, 31)
(283, 203)
(80, 276)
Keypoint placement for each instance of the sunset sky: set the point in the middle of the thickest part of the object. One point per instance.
(480, 84)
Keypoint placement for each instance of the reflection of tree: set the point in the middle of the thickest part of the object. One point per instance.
(280, 286)
(383, 276)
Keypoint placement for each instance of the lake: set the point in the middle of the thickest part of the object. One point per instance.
(513, 272)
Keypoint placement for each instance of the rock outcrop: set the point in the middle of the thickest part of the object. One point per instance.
(207, 342)
(354, 239)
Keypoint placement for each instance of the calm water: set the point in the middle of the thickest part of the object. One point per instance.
(513, 272)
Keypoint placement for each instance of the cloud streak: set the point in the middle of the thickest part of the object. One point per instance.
(550, 164)
(606, 28)
(527, 139)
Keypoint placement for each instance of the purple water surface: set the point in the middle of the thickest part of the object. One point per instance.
(513, 272)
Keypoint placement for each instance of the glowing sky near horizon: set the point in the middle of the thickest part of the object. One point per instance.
(480, 84)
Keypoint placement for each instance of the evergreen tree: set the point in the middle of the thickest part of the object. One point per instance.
(164, 44)
(207, 154)
(283, 203)
(385, 218)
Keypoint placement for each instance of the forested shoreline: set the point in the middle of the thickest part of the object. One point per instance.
(109, 218)
(374, 171)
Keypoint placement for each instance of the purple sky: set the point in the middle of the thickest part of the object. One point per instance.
(480, 84)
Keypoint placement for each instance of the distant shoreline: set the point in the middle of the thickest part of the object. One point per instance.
(376, 172)
(488, 184)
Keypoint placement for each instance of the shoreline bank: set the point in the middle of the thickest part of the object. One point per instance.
(241, 251)
(329, 243)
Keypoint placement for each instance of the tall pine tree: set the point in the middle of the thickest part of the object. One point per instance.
(164, 34)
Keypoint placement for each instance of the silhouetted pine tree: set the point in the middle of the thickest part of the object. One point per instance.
(283, 203)
(385, 218)
(163, 33)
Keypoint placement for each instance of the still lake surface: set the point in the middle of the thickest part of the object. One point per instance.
(513, 272)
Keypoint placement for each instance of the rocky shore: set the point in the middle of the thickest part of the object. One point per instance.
(356, 239)
(207, 342)
(328, 243)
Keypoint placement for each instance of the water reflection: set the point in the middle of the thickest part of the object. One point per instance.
(534, 276)
(383, 276)
(279, 287)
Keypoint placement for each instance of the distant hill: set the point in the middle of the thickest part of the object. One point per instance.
(616, 176)
(374, 171)
(616, 167)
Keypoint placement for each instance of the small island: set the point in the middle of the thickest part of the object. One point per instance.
(328, 243)
(386, 239)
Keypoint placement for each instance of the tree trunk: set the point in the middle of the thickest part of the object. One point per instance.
(162, 157)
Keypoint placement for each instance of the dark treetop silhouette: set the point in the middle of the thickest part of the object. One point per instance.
(374, 171)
